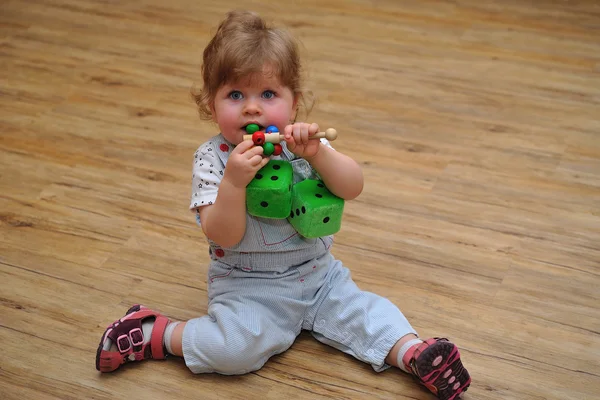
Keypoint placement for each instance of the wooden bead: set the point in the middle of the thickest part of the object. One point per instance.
(268, 149)
(258, 138)
(251, 128)
(277, 149)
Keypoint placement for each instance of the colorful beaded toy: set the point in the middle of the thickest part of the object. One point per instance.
(271, 136)
(259, 139)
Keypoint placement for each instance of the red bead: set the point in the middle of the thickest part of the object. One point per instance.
(258, 138)
(278, 149)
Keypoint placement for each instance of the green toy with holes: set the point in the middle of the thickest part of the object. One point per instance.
(315, 210)
(308, 205)
(269, 194)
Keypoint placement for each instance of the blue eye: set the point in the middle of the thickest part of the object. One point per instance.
(236, 95)
(268, 94)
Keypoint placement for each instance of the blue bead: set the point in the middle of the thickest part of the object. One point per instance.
(271, 129)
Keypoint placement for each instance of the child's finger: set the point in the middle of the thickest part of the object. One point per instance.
(264, 161)
(291, 145)
(256, 160)
(242, 147)
(313, 129)
(287, 132)
(254, 151)
(305, 133)
(303, 129)
(297, 133)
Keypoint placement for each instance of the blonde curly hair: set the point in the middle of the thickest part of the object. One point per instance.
(243, 45)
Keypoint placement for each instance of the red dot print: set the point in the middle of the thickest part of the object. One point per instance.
(224, 147)
(219, 252)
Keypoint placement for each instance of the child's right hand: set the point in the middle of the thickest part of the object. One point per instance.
(244, 162)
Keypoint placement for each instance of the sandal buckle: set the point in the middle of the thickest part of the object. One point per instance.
(123, 344)
(136, 336)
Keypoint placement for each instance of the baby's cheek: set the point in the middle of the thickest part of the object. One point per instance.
(280, 117)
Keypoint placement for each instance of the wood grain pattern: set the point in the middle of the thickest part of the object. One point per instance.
(477, 124)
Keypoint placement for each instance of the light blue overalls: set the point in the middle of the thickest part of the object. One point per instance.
(275, 283)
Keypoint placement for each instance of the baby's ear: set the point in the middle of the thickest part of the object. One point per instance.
(213, 114)
(297, 98)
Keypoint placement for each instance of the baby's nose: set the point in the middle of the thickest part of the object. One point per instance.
(252, 107)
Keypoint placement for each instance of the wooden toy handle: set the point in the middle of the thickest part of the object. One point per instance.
(329, 134)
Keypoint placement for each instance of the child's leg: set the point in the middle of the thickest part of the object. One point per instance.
(173, 342)
(358, 323)
(235, 338)
(373, 330)
(251, 317)
(392, 358)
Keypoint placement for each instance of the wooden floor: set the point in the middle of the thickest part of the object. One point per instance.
(477, 123)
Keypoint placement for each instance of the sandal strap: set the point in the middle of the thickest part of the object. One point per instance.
(127, 333)
(414, 352)
(156, 339)
(120, 331)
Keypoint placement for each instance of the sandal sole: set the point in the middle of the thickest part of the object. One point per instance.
(440, 366)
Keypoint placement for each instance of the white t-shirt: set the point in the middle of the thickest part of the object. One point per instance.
(207, 173)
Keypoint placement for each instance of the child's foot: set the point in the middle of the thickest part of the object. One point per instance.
(436, 364)
(135, 337)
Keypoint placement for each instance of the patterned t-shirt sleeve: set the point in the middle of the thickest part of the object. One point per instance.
(207, 173)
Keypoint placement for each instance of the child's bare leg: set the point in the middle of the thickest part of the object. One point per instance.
(175, 346)
(392, 358)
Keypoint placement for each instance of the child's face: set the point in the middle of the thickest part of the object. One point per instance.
(260, 99)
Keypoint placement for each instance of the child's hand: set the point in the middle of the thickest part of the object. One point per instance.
(244, 162)
(297, 139)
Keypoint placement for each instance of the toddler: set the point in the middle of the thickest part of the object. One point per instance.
(266, 282)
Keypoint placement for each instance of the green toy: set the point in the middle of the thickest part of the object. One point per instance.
(308, 205)
(269, 194)
(315, 210)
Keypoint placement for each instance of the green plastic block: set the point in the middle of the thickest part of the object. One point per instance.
(269, 194)
(315, 210)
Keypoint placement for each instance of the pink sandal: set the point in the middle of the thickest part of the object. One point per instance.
(128, 336)
(436, 365)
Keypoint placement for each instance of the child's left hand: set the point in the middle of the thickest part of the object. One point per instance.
(297, 139)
